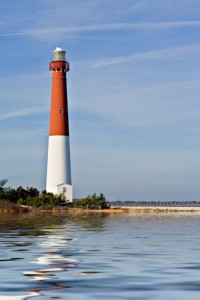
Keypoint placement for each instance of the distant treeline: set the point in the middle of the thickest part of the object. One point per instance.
(154, 203)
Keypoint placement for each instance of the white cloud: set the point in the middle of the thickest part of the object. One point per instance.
(145, 105)
(107, 27)
(22, 134)
(23, 112)
(168, 53)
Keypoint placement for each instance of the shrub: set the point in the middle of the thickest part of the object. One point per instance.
(43, 200)
(92, 202)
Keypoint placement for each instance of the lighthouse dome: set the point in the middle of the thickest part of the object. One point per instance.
(58, 54)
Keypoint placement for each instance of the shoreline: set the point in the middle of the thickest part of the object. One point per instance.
(161, 209)
(139, 209)
(111, 210)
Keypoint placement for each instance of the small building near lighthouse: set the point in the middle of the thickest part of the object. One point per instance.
(58, 163)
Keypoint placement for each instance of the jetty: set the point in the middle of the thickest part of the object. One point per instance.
(153, 206)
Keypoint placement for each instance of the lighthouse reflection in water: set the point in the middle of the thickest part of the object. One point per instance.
(100, 256)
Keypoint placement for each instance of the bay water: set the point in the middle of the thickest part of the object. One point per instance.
(100, 256)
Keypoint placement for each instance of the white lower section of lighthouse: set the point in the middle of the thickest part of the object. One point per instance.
(59, 167)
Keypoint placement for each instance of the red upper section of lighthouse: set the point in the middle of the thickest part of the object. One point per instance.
(59, 65)
(59, 123)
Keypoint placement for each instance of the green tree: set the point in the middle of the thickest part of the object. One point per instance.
(3, 182)
(11, 195)
(46, 200)
(2, 188)
(22, 193)
(32, 192)
(92, 202)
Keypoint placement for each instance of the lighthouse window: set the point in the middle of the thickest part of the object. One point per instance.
(64, 190)
(61, 111)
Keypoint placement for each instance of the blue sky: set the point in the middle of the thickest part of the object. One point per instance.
(133, 89)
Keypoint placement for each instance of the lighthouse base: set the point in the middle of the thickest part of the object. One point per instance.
(58, 167)
(64, 189)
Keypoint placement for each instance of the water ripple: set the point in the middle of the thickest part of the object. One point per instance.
(100, 257)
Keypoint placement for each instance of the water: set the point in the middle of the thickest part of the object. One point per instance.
(100, 256)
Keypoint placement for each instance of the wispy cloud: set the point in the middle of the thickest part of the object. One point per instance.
(168, 53)
(23, 112)
(24, 76)
(107, 27)
(22, 134)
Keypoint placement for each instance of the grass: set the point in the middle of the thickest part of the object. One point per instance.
(9, 207)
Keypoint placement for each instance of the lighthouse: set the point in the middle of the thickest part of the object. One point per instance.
(58, 163)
